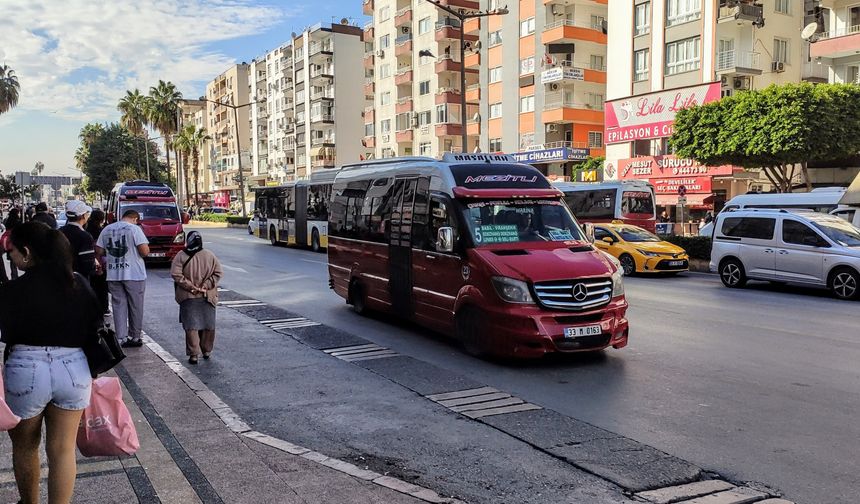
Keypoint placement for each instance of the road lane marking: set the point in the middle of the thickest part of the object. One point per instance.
(356, 353)
(233, 268)
(324, 263)
(481, 402)
(289, 323)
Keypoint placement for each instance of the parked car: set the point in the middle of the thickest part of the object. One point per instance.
(639, 250)
(61, 219)
(781, 246)
(214, 210)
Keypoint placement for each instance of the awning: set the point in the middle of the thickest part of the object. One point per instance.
(317, 151)
(852, 195)
(692, 199)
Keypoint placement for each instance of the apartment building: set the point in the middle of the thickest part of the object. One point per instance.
(196, 112)
(261, 169)
(665, 54)
(836, 43)
(412, 74)
(231, 87)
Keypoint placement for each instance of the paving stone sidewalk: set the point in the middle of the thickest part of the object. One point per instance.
(189, 455)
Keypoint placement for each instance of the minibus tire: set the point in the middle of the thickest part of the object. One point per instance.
(315, 240)
(357, 298)
(841, 281)
(468, 333)
(732, 273)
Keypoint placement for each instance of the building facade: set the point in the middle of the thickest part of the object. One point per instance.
(261, 168)
(196, 112)
(231, 139)
(666, 54)
(836, 42)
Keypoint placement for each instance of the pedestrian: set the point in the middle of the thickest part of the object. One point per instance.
(82, 243)
(196, 273)
(709, 217)
(46, 376)
(42, 215)
(98, 280)
(11, 222)
(664, 217)
(124, 246)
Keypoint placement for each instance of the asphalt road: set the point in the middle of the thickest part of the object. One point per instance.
(760, 384)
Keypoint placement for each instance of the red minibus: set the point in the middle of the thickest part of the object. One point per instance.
(160, 217)
(628, 201)
(475, 246)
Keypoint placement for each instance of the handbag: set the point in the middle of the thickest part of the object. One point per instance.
(104, 353)
(106, 427)
(8, 420)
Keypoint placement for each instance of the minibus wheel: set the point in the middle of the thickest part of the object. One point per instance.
(357, 298)
(469, 332)
(315, 240)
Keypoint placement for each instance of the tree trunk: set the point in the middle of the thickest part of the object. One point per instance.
(196, 177)
(167, 152)
(805, 169)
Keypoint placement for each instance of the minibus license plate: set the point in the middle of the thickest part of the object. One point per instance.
(676, 263)
(578, 332)
(157, 254)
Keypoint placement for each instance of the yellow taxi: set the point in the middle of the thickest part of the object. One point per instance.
(639, 250)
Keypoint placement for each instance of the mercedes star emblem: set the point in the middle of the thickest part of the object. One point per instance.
(580, 292)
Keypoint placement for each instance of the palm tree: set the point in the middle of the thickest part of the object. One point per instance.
(162, 108)
(133, 107)
(196, 138)
(89, 133)
(9, 88)
(182, 146)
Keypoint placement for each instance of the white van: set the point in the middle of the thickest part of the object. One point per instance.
(822, 199)
(801, 247)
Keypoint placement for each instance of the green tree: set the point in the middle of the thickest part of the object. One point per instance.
(9, 88)
(191, 139)
(133, 107)
(591, 163)
(775, 130)
(106, 157)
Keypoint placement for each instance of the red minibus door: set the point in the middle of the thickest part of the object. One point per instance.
(400, 247)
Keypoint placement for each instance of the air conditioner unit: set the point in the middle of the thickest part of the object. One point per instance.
(552, 128)
(554, 86)
(386, 138)
(724, 80)
(777, 66)
(741, 83)
(404, 29)
(380, 53)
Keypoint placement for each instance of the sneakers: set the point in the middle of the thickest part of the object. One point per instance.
(132, 343)
(192, 359)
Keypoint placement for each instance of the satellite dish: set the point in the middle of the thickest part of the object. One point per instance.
(344, 21)
(809, 30)
(293, 34)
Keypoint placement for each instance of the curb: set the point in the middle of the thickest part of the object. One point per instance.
(238, 426)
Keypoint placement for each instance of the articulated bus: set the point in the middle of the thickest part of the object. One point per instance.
(628, 201)
(295, 213)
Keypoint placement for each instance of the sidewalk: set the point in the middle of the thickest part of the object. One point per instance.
(195, 450)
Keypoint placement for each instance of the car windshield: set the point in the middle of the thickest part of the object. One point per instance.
(512, 221)
(637, 234)
(842, 232)
(153, 211)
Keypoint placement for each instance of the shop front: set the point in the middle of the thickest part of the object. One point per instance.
(556, 163)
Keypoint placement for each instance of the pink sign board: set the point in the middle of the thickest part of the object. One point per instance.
(221, 199)
(652, 115)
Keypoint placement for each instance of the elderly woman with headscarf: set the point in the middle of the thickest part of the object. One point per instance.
(196, 273)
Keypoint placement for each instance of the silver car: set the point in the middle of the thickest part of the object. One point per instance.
(798, 247)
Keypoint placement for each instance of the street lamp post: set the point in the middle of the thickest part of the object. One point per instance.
(463, 16)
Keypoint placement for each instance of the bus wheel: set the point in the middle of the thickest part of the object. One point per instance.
(273, 238)
(357, 298)
(315, 240)
(469, 332)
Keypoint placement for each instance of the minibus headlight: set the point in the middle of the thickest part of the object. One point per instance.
(512, 291)
(618, 283)
(180, 238)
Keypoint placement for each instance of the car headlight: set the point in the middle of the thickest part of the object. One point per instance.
(512, 291)
(647, 254)
(180, 238)
(618, 283)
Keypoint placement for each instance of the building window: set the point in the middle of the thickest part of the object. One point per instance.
(494, 38)
(780, 50)
(782, 6)
(385, 41)
(495, 145)
(385, 126)
(527, 103)
(424, 87)
(385, 98)
(494, 4)
(594, 100)
(682, 11)
(368, 129)
(384, 13)
(423, 26)
(597, 22)
(384, 71)
(495, 110)
(425, 118)
(682, 56)
(441, 114)
(597, 63)
(595, 139)
(424, 148)
(495, 74)
(640, 65)
(527, 27)
(642, 19)
(526, 140)
(527, 65)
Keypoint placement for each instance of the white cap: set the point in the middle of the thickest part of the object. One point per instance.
(77, 208)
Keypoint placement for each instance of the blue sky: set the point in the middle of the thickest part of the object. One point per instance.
(75, 59)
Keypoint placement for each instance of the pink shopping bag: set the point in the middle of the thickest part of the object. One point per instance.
(8, 420)
(106, 426)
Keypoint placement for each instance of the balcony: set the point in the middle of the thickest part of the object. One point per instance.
(472, 26)
(741, 12)
(316, 48)
(322, 140)
(322, 71)
(449, 129)
(326, 94)
(559, 109)
(473, 60)
(369, 115)
(473, 93)
(404, 136)
(369, 89)
(447, 95)
(326, 162)
(369, 142)
(815, 72)
(738, 62)
(369, 60)
(322, 117)
(367, 7)
(447, 64)
(570, 31)
(461, 4)
(446, 33)
(403, 46)
(837, 44)
(403, 16)
(369, 32)
(404, 105)
(473, 128)
(403, 76)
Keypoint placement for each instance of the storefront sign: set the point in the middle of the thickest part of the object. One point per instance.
(595, 175)
(560, 154)
(561, 73)
(221, 199)
(694, 185)
(652, 115)
(647, 167)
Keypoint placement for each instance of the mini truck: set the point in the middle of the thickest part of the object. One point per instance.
(160, 216)
(477, 247)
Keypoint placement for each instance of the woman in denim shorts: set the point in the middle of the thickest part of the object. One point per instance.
(46, 317)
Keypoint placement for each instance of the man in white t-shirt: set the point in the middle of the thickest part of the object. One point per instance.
(124, 245)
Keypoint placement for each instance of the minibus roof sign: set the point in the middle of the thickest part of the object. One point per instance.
(457, 157)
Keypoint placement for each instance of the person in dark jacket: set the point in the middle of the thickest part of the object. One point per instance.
(83, 245)
(46, 376)
(43, 216)
(98, 280)
(12, 220)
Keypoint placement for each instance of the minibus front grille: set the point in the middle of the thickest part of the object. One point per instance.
(575, 295)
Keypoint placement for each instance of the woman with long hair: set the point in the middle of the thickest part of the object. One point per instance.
(46, 375)
(98, 280)
(12, 220)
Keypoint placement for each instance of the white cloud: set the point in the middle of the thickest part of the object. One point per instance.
(76, 58)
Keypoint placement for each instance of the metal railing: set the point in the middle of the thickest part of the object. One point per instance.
(557, 145)
(322, 117)
(554, 101)
(578, 64)
(850, 30)
(403, 11)
(403, 69)
(683, 18)
(728, 60)
(815, 69)
(324, 70)
(322, 140)
(403, 39)
(573, 22)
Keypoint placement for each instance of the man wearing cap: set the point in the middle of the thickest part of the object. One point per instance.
(83, 247)
(43, 216)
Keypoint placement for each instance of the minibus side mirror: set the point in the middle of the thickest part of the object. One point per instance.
(589, 232)
(445, 240)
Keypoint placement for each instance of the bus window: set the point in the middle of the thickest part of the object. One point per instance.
(317, 204)
(598, 204)
(637, 203)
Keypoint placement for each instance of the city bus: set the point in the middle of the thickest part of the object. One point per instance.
(295, 213)
(160, 216)
(474, 246)
(629, 201)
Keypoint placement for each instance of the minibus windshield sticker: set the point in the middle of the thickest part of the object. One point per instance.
(154, 192)
(560, 234)
(496, 233)
(498, 176)
(481, 204)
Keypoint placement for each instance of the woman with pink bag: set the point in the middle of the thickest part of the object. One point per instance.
(46, 317)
